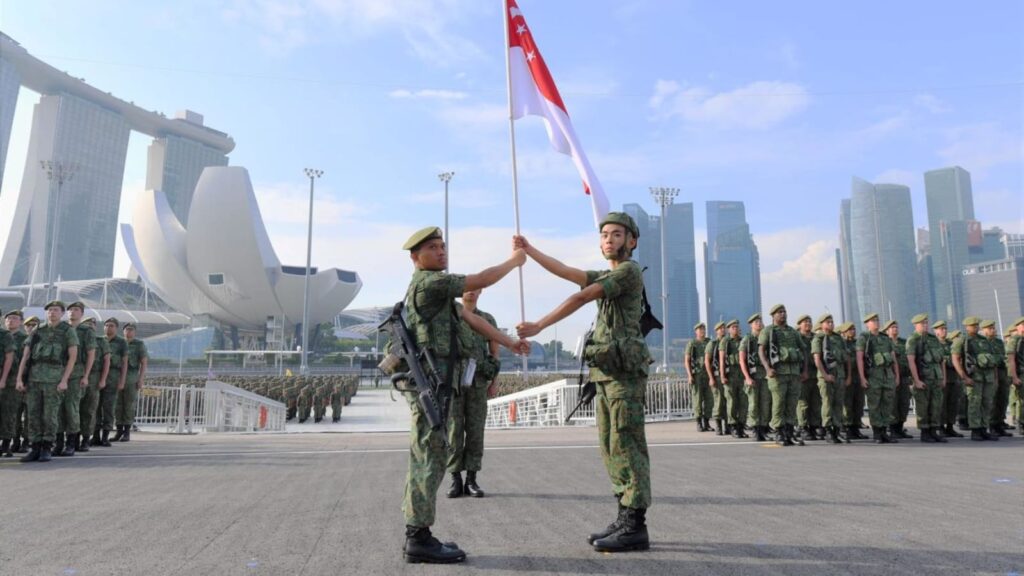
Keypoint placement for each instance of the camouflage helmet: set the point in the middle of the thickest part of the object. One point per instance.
(622, 219)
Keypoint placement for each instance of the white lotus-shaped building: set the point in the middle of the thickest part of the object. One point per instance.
(223, 265)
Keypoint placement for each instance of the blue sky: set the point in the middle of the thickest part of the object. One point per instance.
(776, 104)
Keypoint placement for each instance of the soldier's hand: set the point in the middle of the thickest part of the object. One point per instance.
(750, 382)
(918, 385)
(519, 256)
(968, 382)
(527, 329)
(19, 386)
(63, 385)
(84, 382)
(492, 389)
(521, 347)
(1016, 381)
(120, 386)
(864, 383)
(520, 242)
(830, 378)
(102, 385)
(771, 373)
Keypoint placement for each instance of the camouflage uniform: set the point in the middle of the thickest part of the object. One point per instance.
(981, 393)
(878, 367)
(337, 400)
(759, 398)
(853, 403)
(719, 406)
(10, 399)
(954, 388)
(903, 392)
(469, 409)
(49, 347)
(1015, 349)
(835, 362)
(618, 359)
(929, 355)
(1001, 395)
(117, 348)
(127, 399)
(700, 389)
(808, 407)
(68, 416)
(89, 405)
(734, 393)
(785, 386)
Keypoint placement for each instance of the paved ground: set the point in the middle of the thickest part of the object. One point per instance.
(329, 504)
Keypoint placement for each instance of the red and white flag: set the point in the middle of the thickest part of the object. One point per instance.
(533, 92)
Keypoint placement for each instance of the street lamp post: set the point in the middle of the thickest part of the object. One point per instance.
(664, 197)
(59, 172)
(312, 174)
(446, 177)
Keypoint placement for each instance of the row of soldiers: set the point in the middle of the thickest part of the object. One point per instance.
(61, 383)
(813, 382)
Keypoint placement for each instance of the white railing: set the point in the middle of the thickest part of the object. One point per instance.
(668, 398)
(218, 407)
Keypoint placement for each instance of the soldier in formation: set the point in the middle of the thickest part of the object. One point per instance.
(782, 352)
(834, 375)
(732, 379)
(697, 376)
(759, 398)
(711, 366)
(902, 392)
(808, 407)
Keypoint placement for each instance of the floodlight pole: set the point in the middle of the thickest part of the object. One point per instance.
(446, 177)
(312, 174)
(664, 197)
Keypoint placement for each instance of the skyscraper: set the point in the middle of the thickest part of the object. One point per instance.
(175, 163)
(848, 289)
(882, 247)
(10, 83)
(648, 256)
(732, 264)
(950, 207)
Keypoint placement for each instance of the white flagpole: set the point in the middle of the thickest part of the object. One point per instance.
(515, 172)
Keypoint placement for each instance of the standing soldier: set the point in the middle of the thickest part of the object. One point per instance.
(780, 350)
(91, 394)
(758, 397)
(808, 408)
(337, 399)
(901, 396)
(619, 359)
(926, 360)
(7, 401)
(113, 386)
(1015, 367)
(469, 409)
(52, 350)
(10, 399)
(832, 364)
(732, 379)
(853, 406)
(954, 387)
(137, 358)
(696, 373)
(21, 421)
(712, 368)
(68, 417)
(434, 321)
(1001, 396)
(879, 376)
(975, 363)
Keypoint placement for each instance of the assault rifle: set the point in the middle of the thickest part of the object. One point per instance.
(432, 392)
(586, 390)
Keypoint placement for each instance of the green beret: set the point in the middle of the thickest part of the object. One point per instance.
(622, 219)
(803, 317)
(698, 326)
(919, 318)
(889, 324)
(845, 327)
(953, 335)
(421, 236)
(939, 324)
(77, 304)
(1018, 322)
(128, 325)
(732, 322)
(823, 318)
(32, 320)
(988, 324)
(112, 320)
(972, 321)
(17, 313)
(719, 325)
(89, 320)
(776, 308)
(870, 317)
(57, 303)
(755, 316)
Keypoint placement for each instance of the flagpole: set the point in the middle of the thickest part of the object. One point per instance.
(515, 171)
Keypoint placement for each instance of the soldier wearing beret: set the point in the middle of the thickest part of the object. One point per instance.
(68, 414)
(1015, 368)
(439, 327)
(89, 405)
(780, 349)
(1001, 396)
(117, 375)
(619, 360)
(759, 398)
(901, 396)
(808, 408)
(926, 358)
(974, 358)
(853, 403)
(137, 358)
(712, 367)
(697, 375)
(8, 396)
(879, 376)
(52, 350)
(731, 378)
(11, 401)
(953, 395)
(833, 374)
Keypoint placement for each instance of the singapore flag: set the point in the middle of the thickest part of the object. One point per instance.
(533, 92)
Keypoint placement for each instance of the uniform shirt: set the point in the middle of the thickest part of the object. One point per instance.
(979, 349)
(999, 349)
(812, 369)
(929, 353)
(117, 348)
(791, 352)
(731, 347)
(711, 351)
(835, 360)
(86, 342)
(431, 314)
(900, 347)
(102, 350)
(877, 349)
(136, 352)
(481, 347)
(749, 345)
(18, 339)
(1015, 348)
(695, 348)
(618, 321)
(7, 346)
(49, 349)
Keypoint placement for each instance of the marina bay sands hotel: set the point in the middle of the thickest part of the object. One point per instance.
(85, 131)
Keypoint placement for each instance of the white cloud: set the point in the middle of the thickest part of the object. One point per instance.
(759, 105)
(816, 263)
(978, 147)
(428, 94)
(932, 104)
(909, 178)
(798, 268)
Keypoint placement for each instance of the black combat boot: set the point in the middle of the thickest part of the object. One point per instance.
(120, 433)
(96, 439)
(977, 434)
(718, 427)
(963, 425)
(782, 437)
(833, 435)
(69, 446)
(707, 425)
(83, 442)
(58, 445)
(900, 432)
(611, 528)
(471, 487)
(46, 452)
(794, 437)
(889, 437)
(1000, 431)
(1020, 428)
(16, 447)
(939, 438)
(759, 433)
(456, 488)
(927, 436)
(988, 436)
(5, 449)
(127, 436)
(105, 438)
(807, 433)
(738, 431)
(33, 454)
(422, 547)
(952, 433)
(876, 435)
(728, 429)
(822, 432)
(631, 536)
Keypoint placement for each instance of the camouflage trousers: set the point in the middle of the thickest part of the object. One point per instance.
(832, 395)
(785, 389)
(928, 404)
(304, 404)
(853, 403)
(466, 429)
(759, 403)
(1017, 404)
(337, 400)
(736, 397)
(979, 399)
(951, 398)
(621, 435)
(108, 404)
(901, 401)
(700, 394)
(808, 407)
(89, 403)
(880, 394)
(426, 468)
(68, 417)
(1001, 398)
(127, 402)
(10, 403)
(719, 409)
(43, 401)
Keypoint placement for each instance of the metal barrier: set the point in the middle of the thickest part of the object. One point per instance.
(218, 407)
(668, 398)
